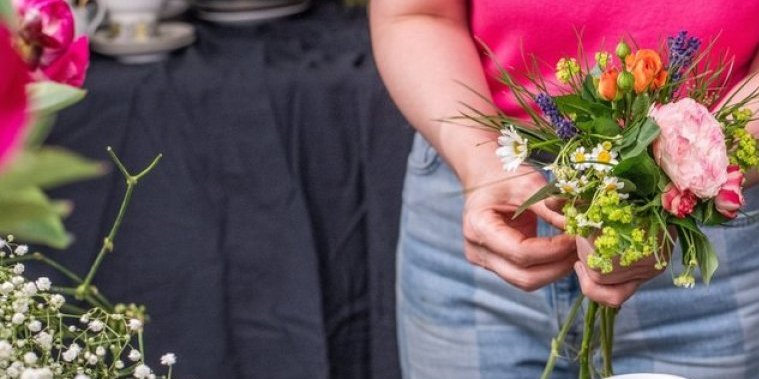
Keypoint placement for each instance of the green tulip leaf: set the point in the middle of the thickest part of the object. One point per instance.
(32, 218)
(48, 167)
(50, 97)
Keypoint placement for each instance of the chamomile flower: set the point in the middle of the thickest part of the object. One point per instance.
(605, 158)
(513, 149)
(580, 158)
(569, 187)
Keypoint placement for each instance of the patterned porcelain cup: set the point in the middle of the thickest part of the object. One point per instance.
(133, 20)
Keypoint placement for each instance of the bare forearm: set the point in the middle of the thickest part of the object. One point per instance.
(423, 57)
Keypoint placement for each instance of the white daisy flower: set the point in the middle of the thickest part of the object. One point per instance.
(513, 150)
(580, 158)
(569, 187)
(605, 159)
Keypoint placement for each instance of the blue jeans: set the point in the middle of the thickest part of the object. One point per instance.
(456, 320)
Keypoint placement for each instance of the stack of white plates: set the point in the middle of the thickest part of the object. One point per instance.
(246, 11)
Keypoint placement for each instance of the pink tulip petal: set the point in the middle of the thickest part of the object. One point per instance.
(13, 99)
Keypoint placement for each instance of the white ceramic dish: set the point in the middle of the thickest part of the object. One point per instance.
(171, 36)
(239, 5)
(645, 376)
(174, 8)
(252, 16)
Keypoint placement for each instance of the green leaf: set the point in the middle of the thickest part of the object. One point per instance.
(48, 167)
(547, 191)
(32, 218)
(39, 130)
(706, 256)
(606, 127)
(648, 132)
(580, 106)
(640, 105)
(50, 97)
(686, 222)
(589, 89)
(6, 12)
(642, 171)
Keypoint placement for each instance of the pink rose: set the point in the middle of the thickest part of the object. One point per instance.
(678, 203)
(691, 147)
(71, 67)
(13, 100)
(730, 196)
(46, 30)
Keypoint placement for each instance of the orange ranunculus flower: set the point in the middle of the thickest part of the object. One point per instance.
(607, 85)
(647, 69)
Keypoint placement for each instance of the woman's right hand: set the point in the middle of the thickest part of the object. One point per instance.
(510, 246)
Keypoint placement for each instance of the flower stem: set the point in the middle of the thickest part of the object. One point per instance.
(85, 288)
(608, 315)
(587, 337)
(557, 342)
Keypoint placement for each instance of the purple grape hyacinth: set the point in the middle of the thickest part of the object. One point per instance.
(682, 49)
(565, 128)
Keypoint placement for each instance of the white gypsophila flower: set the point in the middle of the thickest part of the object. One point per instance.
(43, 284)
(18, 269)
(72, 328)
(21, 305)
(84, 319)
(29, 289)
(56, 301)
(18, 318)
(142, 371)
(21, 343)
(513, 149)
(30, 358)
(44, 340)
(13, 371)
(6, 288)
(6, 350)
(134, 355)
(71, 353)
(81, 376)
(119, 364)
(100, 351)
(17, 280)
(3, 243)
(96, 326)
(168, 359)
(151, 376)
(37, 373)
(92, 359)
(34, 326)
(21, 250)
(135, 325)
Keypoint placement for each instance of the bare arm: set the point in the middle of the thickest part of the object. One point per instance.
(423, 49)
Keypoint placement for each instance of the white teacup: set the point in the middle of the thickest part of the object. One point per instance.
(87, 16)
(133, 20)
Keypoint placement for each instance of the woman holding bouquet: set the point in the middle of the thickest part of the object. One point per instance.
(481, 294)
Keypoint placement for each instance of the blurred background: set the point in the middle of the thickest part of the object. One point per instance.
(263, 244)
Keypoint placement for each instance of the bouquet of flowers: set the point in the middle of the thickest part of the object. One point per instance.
(641, 155)
(53, 331)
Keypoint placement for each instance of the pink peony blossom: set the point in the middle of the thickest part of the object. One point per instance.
(71, 67)
(46, 30)
(691, 147)
(13, 99)
(730, 196)
(678, 203)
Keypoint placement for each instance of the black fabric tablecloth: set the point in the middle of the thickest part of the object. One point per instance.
(263, 244)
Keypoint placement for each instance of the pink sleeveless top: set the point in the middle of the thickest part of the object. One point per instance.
(547, 29)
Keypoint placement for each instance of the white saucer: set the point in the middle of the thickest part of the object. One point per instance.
(253, 15)
(174, 8)
(239, 5)
(171, 36)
